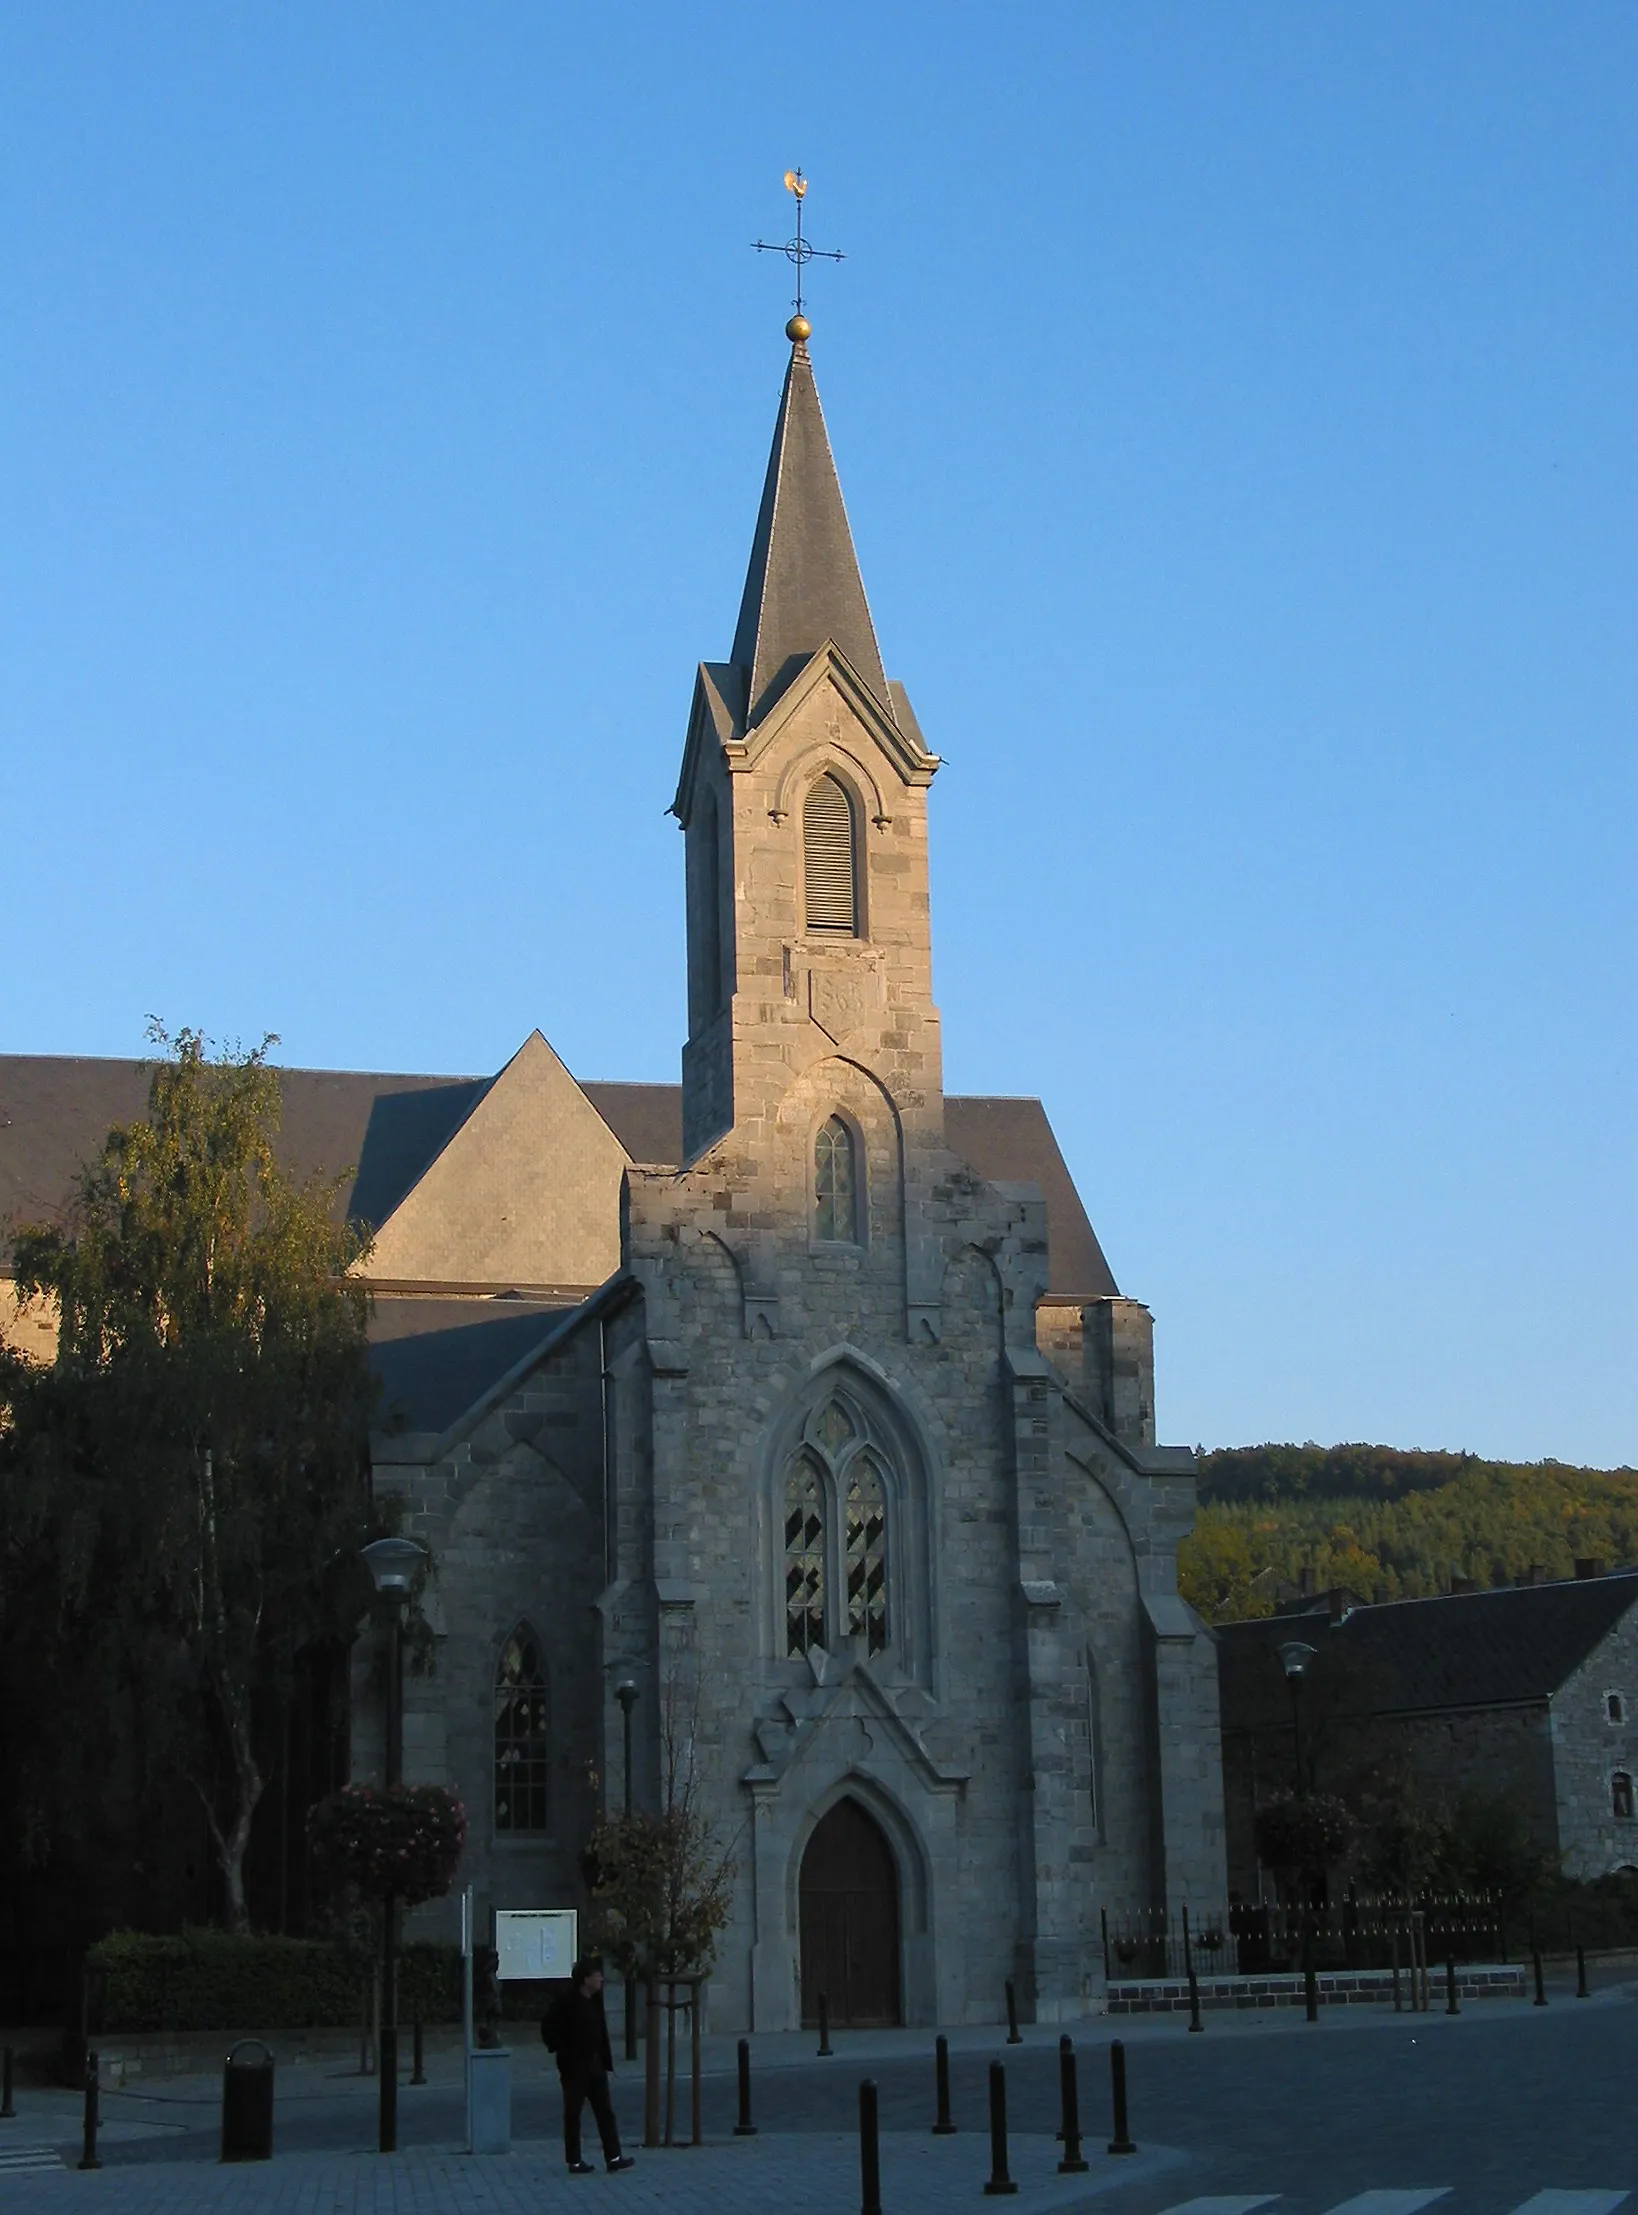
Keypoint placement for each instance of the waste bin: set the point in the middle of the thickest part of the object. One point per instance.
(247, 2103)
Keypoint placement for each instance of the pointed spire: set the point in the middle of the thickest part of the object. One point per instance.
(803, 585)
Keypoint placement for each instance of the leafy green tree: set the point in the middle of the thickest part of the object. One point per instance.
(191, 1472)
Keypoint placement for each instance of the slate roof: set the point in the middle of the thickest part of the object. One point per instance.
(803, 585)
(1465, 1650)
(437, 1358)
(54, 1110)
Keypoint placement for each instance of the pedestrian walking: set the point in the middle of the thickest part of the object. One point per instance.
(576, 2033)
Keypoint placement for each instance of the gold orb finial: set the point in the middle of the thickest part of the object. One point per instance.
(798, 329)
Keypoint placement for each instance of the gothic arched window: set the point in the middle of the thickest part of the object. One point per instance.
(865, 1538)
(830, 872)
(520, 1736)
(838, 1508)
(835, 1182)
(804, 1557)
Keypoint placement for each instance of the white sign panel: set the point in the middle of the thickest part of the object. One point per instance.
(534, 1942)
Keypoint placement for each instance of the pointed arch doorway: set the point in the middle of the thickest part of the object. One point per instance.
(849, 1908)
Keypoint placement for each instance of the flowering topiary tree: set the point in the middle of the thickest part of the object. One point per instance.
(403, 1844)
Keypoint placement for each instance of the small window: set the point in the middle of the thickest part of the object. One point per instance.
(804, 1559)
(829, 870)
(1621, 1794)
(520, 1737)
(835, 1182)
(1614, 1708)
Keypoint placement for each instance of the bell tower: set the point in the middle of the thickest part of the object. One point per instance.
(803, 803)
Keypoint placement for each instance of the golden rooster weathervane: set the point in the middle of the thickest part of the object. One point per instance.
(799, 252)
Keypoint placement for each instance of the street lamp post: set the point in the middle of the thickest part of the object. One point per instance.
(1295, 1656)
(1294, 1660)
(626, 1693)
(393, 1564)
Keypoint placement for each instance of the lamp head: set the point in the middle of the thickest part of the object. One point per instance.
(626, 1694)
(393, 1564)
(1295, 1657)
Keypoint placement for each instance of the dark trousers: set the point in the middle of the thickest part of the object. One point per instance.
(579, 2086)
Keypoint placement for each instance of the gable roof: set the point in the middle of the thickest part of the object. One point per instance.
(1464, 1650)
(803, 585)
(54, 1110)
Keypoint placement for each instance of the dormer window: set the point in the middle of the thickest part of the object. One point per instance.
(830, 874)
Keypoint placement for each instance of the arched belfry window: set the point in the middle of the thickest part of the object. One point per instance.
(835, 1182)
(830, 866)
(521, 1749)
(839, 1488)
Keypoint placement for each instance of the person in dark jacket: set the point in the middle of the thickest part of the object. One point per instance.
(577, 2035)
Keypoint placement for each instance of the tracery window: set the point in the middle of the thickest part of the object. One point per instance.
(835, 1182)
(866, 1543)
(829, 863)
(1621, 1794)
(521, 1748)
(837, 1536)
(804, 1557)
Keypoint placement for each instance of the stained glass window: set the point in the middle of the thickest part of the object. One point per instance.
(866, 1535)
(834, 1181)
(804, 1558)
(520, 1736)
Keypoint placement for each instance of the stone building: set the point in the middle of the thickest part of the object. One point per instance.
(1527, 1694)
(799, 1399)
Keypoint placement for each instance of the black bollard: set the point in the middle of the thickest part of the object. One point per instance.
(1451, 2005)
(943, 2128)
(418, 2075)
(7, 2111)
(1122, 2141)
(1074, 2161)
(1194, 2000)
(745, 2128)
(870, 2156)
(1000, 2181)
(1581, 1993)
(1310, 1982)
(1541, 1988)
(88, 2157)
(824, 2024)
(1015, 2036)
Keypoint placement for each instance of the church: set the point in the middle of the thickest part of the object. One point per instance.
(787, 1426)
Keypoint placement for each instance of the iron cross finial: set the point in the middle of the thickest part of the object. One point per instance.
(797, 251)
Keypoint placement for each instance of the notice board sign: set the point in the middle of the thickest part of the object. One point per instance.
(534, 1942)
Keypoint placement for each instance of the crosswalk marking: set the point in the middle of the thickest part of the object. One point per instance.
(1572, 2203)
(1230, 2203)
(16, 2158)
(1406, 2203)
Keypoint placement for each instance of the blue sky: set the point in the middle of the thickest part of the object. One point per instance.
(1235, 408)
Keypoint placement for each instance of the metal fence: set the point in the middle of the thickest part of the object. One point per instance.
(1258, 1940)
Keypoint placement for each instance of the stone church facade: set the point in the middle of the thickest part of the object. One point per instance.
(869, 1514)
(801, 1403)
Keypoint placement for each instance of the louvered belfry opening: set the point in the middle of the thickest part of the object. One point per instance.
(827, 855)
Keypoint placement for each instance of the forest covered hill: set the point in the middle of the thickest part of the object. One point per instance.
(1393, 1525)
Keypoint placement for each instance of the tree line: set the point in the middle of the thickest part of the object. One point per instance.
(1275, 1521)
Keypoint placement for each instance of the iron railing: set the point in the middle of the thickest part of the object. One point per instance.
(1255, 1940)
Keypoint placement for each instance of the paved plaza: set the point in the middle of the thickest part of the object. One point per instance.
(1506, 2110)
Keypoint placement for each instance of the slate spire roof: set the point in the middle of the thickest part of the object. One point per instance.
(803, 585)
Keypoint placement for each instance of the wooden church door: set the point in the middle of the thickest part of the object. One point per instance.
(850, 1921)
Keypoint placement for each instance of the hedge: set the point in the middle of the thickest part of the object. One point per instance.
(212, 1980)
